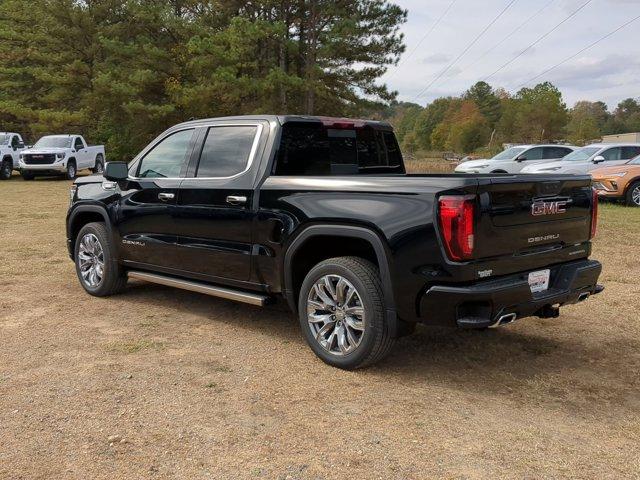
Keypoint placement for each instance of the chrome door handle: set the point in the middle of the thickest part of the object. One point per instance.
(236, 200)
(166, 196)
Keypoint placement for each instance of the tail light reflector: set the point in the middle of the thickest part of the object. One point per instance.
(456, 217)
(594, 212)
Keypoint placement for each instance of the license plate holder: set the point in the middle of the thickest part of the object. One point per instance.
(539, 280)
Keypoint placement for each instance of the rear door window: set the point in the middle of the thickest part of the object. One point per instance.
(555, 152)
(315, 149)
(226, 151)
(533, 154)
(630, 152)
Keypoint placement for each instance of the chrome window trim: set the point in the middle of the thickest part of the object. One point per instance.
(252, 153)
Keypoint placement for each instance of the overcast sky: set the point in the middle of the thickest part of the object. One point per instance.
(610, 71)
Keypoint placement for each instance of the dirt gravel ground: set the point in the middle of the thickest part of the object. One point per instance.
(160, 383)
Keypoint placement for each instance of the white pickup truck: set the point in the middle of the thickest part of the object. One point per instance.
(61, 154)
(11, 144)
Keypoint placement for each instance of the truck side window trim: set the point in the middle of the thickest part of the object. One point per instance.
(135, 165)
(252, 152)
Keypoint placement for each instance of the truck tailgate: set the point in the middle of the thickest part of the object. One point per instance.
(527, 214)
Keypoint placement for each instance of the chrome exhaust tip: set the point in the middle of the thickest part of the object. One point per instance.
(504, 320)
(583, 296)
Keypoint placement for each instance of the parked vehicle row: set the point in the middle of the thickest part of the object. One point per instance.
(615, 168)
(515, 159)
(51, 155)
(321, 211)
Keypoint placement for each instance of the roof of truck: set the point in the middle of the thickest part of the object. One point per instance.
(282, 119)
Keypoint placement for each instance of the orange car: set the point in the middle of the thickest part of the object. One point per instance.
(619, 182)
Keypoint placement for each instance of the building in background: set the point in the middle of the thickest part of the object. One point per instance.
(622, 138)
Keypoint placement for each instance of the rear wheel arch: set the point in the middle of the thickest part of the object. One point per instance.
(362, 242)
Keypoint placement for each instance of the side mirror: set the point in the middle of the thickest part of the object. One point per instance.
(116, 171)
(521, 158)
(598, 159)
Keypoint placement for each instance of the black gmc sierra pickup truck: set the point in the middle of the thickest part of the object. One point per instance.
(321, 212)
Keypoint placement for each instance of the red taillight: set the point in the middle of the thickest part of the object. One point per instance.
(456, 214)
(594, 212)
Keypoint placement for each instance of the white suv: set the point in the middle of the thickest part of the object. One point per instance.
(514, 159)
(589, 158)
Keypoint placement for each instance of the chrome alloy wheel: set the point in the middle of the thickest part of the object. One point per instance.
(336, 315)
(91, 260)
(635, 195)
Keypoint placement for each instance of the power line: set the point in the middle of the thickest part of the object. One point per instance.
(539, 39)
(593, 44)
(424, 37)
(513, 32)
(473, 42)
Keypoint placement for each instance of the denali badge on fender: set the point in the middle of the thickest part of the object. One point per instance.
(548, 208)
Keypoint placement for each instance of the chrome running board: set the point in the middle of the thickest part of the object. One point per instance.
(237, 295)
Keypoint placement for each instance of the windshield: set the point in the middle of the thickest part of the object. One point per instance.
(635, 161)
(4, 139)
(581, 154)
(53, 142)
(509, 153)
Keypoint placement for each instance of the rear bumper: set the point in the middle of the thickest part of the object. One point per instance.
(484, 303)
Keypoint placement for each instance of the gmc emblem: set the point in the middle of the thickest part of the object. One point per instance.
(548, 208)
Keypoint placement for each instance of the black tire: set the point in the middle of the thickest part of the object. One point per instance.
(72, 170)
(99, 165)
(113, 279)
(27, 176)
(633, 189)
(375, 341)
(6, 169)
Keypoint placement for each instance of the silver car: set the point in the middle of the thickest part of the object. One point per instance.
(514, 159)
(589, 158)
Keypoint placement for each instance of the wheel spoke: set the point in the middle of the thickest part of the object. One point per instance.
(342, 339)
(341, 289)
(315, 318)
(357, 311)
(330, 288)
(352, 339)
(328, 302)
(354, 323)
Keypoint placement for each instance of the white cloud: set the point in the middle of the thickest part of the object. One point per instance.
(606, 72)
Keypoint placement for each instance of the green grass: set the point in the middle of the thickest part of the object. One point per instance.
(133, 346)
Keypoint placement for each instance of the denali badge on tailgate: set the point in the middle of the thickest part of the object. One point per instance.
(548, 208)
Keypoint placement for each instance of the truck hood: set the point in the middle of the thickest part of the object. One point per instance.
(44, 151)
